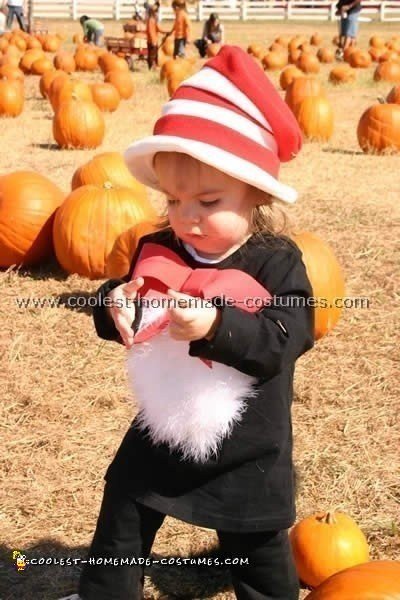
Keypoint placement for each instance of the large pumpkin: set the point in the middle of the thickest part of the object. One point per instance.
(288, 75)
(120, 258)
(377, 580)
(105, 96)
(111, 167)
(27, 205)
(326, 543)
(88, 223)
(379, 128)
(78, 124)
(315, 118)
(326, 278)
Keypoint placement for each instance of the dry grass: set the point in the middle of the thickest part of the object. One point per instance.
(64, 409)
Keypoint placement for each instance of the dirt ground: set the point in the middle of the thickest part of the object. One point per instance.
(66, 403)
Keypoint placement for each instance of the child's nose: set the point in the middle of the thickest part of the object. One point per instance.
(190, 214)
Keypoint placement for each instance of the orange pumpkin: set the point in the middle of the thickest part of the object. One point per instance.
(360, 59)
(64, 61)
(379, 128)
(213, 49)
(122, 81)
(41, 66)
(300, 88)
(78, 124)
(288, 75)
(29, 58)
(326, 278)
(308, 63)
(11, 98)
(342, 74)
(86, 60)
(387, 71)
(27, 205)
(51, 43)
(111, 62)
(106, 96)
(65, 91)
(326, 55)
(47, 79)
(326, 543)
(275, 60)
(377, 42)
(376, 580)
(10, 72)
(107, 167)
(120, 258)
(315, 118)
(89, 221)
(376, 53)
(394, 95)
(316, 39)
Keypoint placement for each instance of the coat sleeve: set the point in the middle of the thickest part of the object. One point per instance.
(262, 344)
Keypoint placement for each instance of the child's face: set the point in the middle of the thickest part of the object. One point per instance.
(208, 209)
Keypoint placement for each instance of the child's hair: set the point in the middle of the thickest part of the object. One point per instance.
(179, 4)
(83, 19)
(153, 9)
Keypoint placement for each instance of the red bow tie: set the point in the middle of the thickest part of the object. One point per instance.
(162, 269)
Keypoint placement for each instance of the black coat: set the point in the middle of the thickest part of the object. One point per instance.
(249, 486)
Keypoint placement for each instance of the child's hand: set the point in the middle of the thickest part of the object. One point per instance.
(123, 309)
(191, 318)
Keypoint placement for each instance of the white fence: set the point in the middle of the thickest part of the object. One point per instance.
(233, 10)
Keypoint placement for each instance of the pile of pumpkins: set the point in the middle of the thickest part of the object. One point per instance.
(94, 230)
(331, 555)
(78, 106)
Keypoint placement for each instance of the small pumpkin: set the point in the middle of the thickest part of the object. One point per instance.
(308, 63)
(326, 543)
(41, 66)
(275, 60)
(288, 75)
(342, 74)
(28, 202)
(64, 61)
(78, 124)
(89, 221)
(375, 580)
(106, 96)
(326, 55)
(360, 59)
(11, 98)
(377, 42)
(122, 81)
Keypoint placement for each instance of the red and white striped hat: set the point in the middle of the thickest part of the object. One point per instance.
(230, 116)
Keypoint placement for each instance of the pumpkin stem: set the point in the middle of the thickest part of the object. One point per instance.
(330, 517)
(108, 185)
(381, 100)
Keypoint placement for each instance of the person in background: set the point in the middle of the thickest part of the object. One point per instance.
(213, 33)
(2, 19)
(182, 28)
(349, 11)
(93, 29)
(153, 29)
(15, 8)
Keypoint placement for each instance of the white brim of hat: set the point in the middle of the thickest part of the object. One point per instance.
(139, 158)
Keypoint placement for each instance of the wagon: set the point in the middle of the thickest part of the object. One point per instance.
(129, 49)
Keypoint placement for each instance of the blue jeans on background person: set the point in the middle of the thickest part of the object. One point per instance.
(95, 36)
(349, 25)
(18, 12)
(179, 47)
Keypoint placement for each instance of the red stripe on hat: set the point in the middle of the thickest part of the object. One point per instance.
(242, 70)
(187, 92)
(223, 138)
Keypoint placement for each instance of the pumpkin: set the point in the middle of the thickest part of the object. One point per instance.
(288, 75)
(122, 81)
(120, 258)
(379, 128)
(78, 124)
(300, 88)
(10, 72)
(107, 167)
(326, 278)
(106, 96)
(348, 52)
(342, 74)
(308, 63)
(86, 60)
(387, 71)
(316, 39)
(307, 48)
(41, 65)
(11, 98)
(213, 49)
(394, 95)
(68, 89)
(89, 221)
(51, 43)
(27, 205)
(65, 61)
(111, 62)
(377, 42)
(275, 61)
(376, 53)
(29, 58)
(376, 580)
(283, 40)
(294, 55)
(47, 79)
(326, 55)
(326, 543)
(360, 59)
(315, 118)
(277, 47)
(33, 43)
(173, 67)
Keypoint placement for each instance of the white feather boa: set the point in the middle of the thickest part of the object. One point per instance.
(183, 402)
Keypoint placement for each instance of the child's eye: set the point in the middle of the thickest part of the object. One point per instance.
(209, 202)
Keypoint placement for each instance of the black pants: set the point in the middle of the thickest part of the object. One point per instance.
(126, 528)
